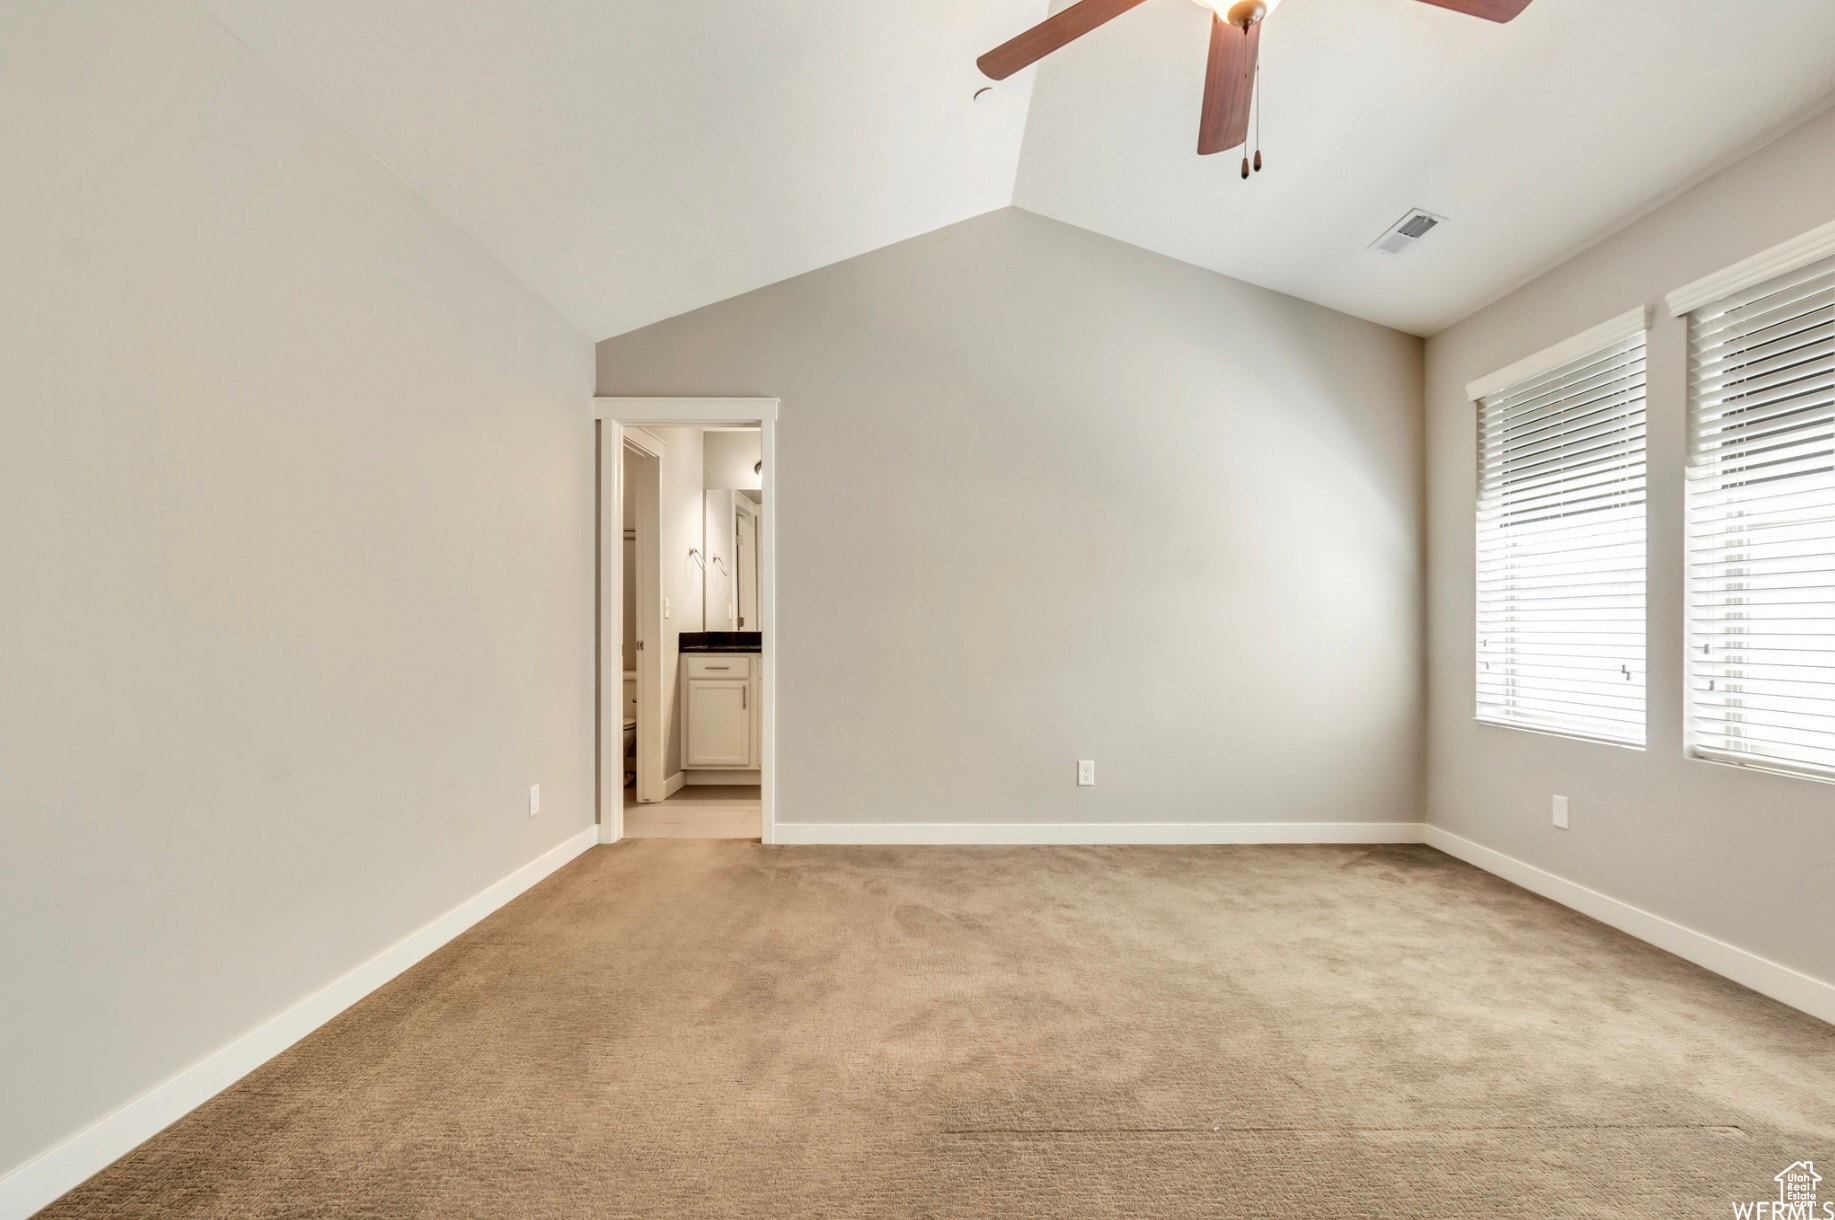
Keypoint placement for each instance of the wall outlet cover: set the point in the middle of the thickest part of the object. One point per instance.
(1561, 812)
(1086, 773)
(535, 799)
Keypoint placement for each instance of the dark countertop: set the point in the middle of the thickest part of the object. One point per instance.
(722, 641)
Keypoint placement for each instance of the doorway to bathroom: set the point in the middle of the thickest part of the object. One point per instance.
(687, 704)
(640, 689)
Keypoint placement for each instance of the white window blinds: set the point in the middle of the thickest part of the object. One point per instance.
(1761, 499)
(1561, 548)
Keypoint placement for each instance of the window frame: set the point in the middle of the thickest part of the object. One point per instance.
(1762, 279)
(1563, 370)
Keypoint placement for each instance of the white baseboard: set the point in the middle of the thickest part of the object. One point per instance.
(674, 784)
(735, 776)
(1781, 983)
(41, 1180)
(962, 833)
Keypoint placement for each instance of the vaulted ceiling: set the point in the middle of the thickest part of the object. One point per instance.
(635, 159)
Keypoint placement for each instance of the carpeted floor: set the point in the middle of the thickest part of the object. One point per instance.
(715, 1028)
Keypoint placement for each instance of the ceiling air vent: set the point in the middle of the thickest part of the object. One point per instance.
(1405, 232)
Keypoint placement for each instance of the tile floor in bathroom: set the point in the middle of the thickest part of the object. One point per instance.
(710, 811)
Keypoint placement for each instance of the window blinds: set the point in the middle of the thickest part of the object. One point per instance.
(1761, 550)
(1561, 548)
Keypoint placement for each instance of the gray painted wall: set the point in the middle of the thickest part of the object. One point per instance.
(295, 558)
(1045, 496)
(1745, 857)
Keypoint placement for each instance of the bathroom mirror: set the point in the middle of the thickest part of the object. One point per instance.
(731, 575)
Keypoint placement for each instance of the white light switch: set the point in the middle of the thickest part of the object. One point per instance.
(535, 799)
(1086, 773)
(666, 607)
(1561, 812)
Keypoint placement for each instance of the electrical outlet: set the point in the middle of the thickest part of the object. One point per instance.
(535, 799)
(666, 611)
(1086, 773)
(1561, 812)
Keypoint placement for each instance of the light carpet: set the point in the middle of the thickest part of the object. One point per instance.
(682, 1028)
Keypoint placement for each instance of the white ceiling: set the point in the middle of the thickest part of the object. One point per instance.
(634, 159)
(1531, 138)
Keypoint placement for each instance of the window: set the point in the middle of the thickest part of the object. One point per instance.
(1761, 508)
(1561, 539)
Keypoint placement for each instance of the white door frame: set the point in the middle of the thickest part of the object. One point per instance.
(613, 441)
(651, 731)
(619, 416)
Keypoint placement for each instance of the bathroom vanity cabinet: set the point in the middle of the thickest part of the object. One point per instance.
(720, 710)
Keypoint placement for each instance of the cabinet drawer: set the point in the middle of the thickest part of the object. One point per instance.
(719, 664)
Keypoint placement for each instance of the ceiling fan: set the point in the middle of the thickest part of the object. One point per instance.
(1229, 76)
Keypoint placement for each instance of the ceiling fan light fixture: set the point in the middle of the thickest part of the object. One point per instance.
(1242, 13)
(1230, 70)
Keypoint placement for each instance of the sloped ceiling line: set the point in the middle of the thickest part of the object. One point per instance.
(636, 160)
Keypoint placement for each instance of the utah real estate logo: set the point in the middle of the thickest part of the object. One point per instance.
(1796, 1198)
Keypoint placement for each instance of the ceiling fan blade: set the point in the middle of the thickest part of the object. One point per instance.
(1490, 10)
(1050, 34)
(1229, 83)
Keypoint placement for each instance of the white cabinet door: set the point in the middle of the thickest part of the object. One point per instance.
(719, 723)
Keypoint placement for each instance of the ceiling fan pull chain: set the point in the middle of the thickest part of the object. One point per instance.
(1253, 82)
(1259, 101)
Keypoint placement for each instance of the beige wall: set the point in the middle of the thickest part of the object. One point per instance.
(730, 458)
(1745, 857)
(1045, 496)
(295, 556)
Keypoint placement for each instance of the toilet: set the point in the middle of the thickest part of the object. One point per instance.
(630, 728)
